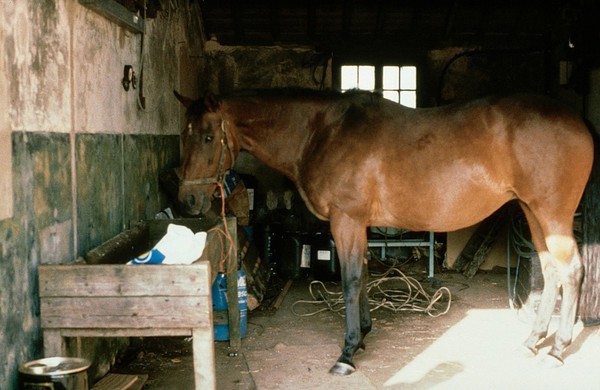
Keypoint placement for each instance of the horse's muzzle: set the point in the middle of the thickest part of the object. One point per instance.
(194, 204)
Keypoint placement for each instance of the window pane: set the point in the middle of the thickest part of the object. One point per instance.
(392, 95)
(408, 77)
(408, 98)
(366, 77)
(391, 77)
(349, 77)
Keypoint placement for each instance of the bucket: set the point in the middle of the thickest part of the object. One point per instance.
(219, 298)
(54, 373)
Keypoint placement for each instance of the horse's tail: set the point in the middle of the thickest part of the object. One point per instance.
(589, 302)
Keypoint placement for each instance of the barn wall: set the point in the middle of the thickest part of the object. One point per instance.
(593, 104)
(464, 73)
(80, 159)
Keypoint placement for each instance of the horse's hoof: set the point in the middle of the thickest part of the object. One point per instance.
(531, 346)
(552, 361)
(342, 369)
(526, 352)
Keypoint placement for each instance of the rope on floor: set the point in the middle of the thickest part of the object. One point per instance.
(383, 293)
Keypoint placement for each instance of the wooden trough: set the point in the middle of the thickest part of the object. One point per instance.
(101, 296)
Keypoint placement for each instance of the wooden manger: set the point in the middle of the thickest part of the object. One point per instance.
(101, 296)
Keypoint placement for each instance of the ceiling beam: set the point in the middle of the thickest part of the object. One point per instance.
(237, 12)
(381, 12)
(450, 17)
(347, 17)
(311, 19)
(275, 20)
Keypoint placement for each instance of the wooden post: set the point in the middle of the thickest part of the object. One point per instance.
(589, 302)
(54, 343)
(204, 359)
(233, 309)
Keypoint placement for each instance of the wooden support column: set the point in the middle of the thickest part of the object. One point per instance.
(589, 302)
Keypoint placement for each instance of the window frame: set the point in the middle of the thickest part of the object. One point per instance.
(378, 75)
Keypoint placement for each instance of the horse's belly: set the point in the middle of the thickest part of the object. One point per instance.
(447, 207)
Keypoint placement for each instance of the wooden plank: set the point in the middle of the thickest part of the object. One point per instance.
(125, 332)
(480, 243)
(112, 381)
(281, 295)
(137, 312)
(124, 280)
(204, 359)
(122, 247)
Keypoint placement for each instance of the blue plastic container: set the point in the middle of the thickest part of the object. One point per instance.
(219, 298)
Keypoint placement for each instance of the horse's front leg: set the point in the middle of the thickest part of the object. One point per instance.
(351, 241)
(365, 312)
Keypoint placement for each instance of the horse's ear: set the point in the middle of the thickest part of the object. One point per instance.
(211, 102)
(186, 101)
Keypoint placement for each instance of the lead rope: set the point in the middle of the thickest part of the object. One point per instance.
(414, 298)
(227, 233)
(224, 234)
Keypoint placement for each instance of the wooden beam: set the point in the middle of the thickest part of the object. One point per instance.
(381, 13)
(237, 12)
(275, 20)
(311, 19)
(347, 17)
(450, 17)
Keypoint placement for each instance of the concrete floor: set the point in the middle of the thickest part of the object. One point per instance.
(476, 345)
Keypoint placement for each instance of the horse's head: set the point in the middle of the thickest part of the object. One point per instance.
(208, 152)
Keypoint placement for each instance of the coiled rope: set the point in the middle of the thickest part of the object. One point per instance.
(383, 293)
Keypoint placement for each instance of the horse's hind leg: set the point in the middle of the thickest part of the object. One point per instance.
(561, 268)
(570, 271)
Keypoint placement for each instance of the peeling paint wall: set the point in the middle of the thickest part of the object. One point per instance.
(81, 159)
(6, 205)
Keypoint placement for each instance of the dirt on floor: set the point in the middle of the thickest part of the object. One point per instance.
(475, 345)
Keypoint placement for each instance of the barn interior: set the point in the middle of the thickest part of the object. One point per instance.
(90, 135)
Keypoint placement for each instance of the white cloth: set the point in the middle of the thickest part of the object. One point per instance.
(178, 246)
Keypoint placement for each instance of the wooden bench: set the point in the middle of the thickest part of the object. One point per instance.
(118, 300)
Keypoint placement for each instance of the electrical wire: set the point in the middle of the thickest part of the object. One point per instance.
(383, 293)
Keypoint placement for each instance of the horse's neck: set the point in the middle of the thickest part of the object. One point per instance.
(268, 133)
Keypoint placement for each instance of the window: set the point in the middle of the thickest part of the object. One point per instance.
(358, 77)
(398, 83)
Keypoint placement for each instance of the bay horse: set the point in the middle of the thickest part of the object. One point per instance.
(360, 160)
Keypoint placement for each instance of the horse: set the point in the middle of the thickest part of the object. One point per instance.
(360, 160)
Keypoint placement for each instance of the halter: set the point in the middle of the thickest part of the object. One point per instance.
(218, 178)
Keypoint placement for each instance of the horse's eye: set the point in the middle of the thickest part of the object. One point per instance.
(208, 139)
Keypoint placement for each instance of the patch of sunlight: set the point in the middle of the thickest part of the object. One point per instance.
(484, 351)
